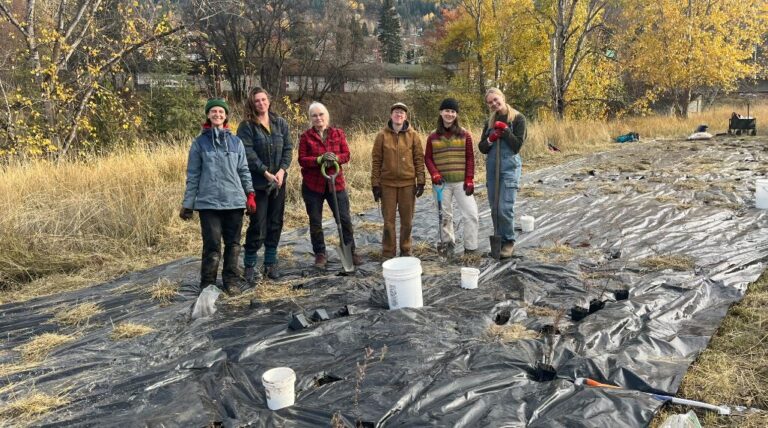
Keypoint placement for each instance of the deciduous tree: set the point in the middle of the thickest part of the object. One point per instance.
(680, 49)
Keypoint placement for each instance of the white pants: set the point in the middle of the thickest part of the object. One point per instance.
(468, 207)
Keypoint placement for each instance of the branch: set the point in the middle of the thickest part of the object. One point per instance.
(7, 13)
(80, 13)
(125, 51)
(73, 127)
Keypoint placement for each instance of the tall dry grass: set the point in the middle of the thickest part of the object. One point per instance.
(67, 225)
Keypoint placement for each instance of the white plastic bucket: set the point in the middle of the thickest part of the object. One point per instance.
(402, 277)
(761, 194)
(469, 277)
(526, 223)
(278, 384)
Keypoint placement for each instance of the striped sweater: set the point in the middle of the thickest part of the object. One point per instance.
(451, 155)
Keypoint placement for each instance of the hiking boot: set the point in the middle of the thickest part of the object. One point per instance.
(471, 253)
(507, 250)
(357, 259)
(405, 254)
(252, 275)
(321, 260)
(272, 272)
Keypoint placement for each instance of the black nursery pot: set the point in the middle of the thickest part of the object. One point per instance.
(578, 313)
(545, 372)
(550, 329)
(595, 305)
(621, 295)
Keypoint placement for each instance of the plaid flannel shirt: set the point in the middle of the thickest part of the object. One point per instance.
(311, 145)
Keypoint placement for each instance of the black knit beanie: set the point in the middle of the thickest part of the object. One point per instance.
(450, 103)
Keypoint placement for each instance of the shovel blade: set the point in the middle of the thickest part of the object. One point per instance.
(495, 246)
(345, 254)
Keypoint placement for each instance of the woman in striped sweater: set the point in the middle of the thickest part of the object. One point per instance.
(450, 160)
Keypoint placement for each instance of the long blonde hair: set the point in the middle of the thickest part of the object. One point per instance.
(511, 112)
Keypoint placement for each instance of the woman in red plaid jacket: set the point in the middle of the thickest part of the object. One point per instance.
(318, 145)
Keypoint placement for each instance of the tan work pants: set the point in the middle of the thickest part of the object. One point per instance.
(403, 201)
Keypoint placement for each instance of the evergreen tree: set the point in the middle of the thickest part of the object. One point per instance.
(389, 33)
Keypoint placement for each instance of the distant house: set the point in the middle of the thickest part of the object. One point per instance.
(391, 78)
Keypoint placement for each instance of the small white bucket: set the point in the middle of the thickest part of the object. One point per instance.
(402, 277)
(469, 277)
(761, 194)
(278, 384)
(526, 223)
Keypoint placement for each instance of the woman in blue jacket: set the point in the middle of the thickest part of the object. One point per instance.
(218, 187)
(502, 138)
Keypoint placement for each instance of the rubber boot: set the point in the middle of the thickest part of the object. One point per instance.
(208, 269)
(230, 274)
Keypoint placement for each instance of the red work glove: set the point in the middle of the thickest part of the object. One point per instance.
(495, 135)
(469, 187)
(437, 179)
(250, 204)
(500, 125)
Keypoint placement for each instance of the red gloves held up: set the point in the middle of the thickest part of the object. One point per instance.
(438, 179)
(250, 204)
(499, 128)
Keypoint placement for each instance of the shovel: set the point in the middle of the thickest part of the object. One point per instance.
(496, 238)
(345, 251)
(438, 189)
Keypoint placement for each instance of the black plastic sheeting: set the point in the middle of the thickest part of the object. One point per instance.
(612, 210)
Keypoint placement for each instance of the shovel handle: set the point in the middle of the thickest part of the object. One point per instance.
(438, 189)
(332, 176)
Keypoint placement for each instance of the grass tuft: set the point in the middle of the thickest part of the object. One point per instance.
(129, 330)
(267, 292)
(508, 333)
(79, 315)
(668, 261)
(556, 253)
(40, 346)
(164, 290)
(33, 404)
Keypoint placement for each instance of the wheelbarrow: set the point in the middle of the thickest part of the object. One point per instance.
(739, 124)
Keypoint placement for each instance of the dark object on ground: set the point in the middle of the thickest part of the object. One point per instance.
(621, 294)
(578, 313)
(595, 305)
(552, 148)
(319, 315)
(298, 322)
(550, 329)
(348, 310)
(502, 317)
(701, 128)
(544, 372)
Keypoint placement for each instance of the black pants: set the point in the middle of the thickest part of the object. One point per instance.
(314, 203)
(265, 226)
(215, 225)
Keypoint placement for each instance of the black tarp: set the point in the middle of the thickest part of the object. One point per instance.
(613, 210)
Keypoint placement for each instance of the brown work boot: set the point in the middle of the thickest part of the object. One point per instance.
(321, 260)
(357, 259)
(507, 250)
